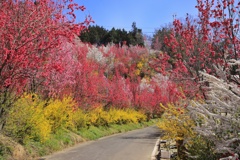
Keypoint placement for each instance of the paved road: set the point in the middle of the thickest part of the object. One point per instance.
(133, 145)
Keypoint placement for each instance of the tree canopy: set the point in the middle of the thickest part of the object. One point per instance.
(98, 35)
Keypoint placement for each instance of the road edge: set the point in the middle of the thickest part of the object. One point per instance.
(156, 150)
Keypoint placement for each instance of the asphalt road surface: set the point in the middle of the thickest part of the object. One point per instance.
(133, 145)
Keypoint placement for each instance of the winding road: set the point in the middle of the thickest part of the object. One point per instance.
(133, 145)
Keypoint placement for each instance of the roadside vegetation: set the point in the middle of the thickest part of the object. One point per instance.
(40, 128)
(201, 55)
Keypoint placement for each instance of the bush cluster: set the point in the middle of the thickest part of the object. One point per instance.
(101, 117)
(32, 118)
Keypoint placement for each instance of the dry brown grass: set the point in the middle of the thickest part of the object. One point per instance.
(12, 149)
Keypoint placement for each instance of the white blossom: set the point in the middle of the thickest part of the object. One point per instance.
(218, 118)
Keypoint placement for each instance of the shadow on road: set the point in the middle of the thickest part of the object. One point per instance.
(149, 136)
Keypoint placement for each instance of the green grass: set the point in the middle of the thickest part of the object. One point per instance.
(4, 151)
(64, 138)
(93, 132)
(61, 139)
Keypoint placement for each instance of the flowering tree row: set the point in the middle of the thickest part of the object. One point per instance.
(32, 34)
(202, 56)
(41, 53)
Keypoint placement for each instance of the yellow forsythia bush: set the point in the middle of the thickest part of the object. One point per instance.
(26, 120)
(101, 117)
(116, 116)
(98, 117)
(123, 116)
(78, 119)
(34, 118)
(59, 113)
(176, 123)
(136, 116)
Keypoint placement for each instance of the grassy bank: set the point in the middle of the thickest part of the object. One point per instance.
(37, 127)
(93, 132)
(62, 139)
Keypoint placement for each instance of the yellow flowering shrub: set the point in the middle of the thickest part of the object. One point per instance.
(139, 67)
(101, 117)
(26, 119)
(59, 113)
(98, 117)
(137, 116)
(78, 119)
(32, 118)
(177, 126)
(123, 116)
(176, 123)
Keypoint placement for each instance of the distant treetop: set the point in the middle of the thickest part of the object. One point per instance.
(101, 36)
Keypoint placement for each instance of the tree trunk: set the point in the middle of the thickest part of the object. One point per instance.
(2, 118)
(181, 149)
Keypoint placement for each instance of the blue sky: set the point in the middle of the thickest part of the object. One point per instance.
(148, 14)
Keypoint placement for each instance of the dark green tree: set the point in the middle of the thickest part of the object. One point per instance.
(100, 36)
(158, 39)
(135, 36)
(94, 35)
(117, 36)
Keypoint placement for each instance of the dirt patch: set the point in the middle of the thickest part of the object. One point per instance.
(76, 138)
(11, 150)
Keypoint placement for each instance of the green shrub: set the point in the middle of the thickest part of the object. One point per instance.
(201, 148)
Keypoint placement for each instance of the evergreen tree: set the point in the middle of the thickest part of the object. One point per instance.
(94, 35)
(136, 36)
(100, 36)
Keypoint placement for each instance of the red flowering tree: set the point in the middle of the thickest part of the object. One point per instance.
(202, 44)
(203, 58)
(158, 90)
(31, 32)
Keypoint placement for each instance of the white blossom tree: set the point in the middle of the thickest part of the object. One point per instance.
(218, 117)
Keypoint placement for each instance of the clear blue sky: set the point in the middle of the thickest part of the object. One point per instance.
(148, 14)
